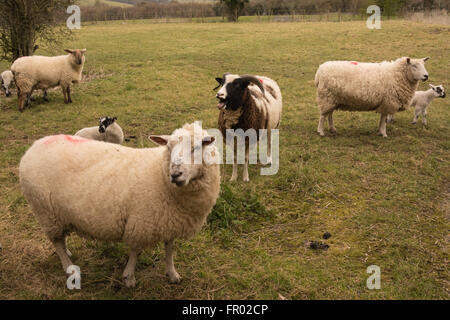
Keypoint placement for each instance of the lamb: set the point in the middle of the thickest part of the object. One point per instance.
(39, 72)
(108, 130)
(7, 79)
(157, 194)
(421, 101)
(248, 102)
(384, 87)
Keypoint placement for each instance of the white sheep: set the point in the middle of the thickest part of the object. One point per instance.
(108, 131)
(7, 80)
(248, 102)
(384, 87)
(39, 72)
(421, 101)
(156, 195)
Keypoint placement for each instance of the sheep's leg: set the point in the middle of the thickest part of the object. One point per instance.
(68, 95)
(22, 98)
(128, 272)
(424, 118)
(173, 275)
(416, 116)
(320, 126)
(331, 123)
(27, 103)
(61, 251)
(235, 166)
(64, 90)
(245, 174)
(382, 125)
(45, 96)
(269, 147)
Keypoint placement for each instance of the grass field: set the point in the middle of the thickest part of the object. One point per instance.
(108, 2)
(384, 201)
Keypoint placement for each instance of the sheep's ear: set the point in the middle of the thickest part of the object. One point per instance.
(83, 50)
(68, 50)
(219, 80)
(161, 140)
(425, 59)
(408, 60)
(208, 140)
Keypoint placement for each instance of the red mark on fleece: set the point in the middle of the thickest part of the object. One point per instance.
(261, 80)
(66, 137)
(354, 62)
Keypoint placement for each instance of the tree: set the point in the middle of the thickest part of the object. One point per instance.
(234, 8)
(25, 22)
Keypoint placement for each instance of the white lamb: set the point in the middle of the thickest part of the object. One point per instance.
(421, 101)
(108, 131)
(38, 72)
(7, 79)
(157, 195)
(384, 87)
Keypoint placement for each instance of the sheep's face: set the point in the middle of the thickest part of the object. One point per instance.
(416, 69)
(105, 123)
(5, 88)
(7, 79)
(438, 91)
(188, 152)
(231, 95)
(77, 56)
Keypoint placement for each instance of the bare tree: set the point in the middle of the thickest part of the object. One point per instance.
(25, 22)
(234, 8)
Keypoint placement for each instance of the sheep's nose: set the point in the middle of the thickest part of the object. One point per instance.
(175, 175)
(219, 95)
(425, 77)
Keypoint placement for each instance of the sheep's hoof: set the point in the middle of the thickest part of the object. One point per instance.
(333, 131)
(174, 277)
(246, 179)
(322, 134)
(414, 122)
(233, 178)
(130, 281)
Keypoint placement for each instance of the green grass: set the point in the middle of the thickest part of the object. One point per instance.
(385, 201)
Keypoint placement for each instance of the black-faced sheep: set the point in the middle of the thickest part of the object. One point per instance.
(155, 196)
(384, 87)
(108, 130)
(248, 102)
(39, 72)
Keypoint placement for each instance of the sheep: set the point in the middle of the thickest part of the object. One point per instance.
(383, 87)
(108, 130)
(156, 194)
(7, 79)
(39, 72)
(421, 101)
(248, 102)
